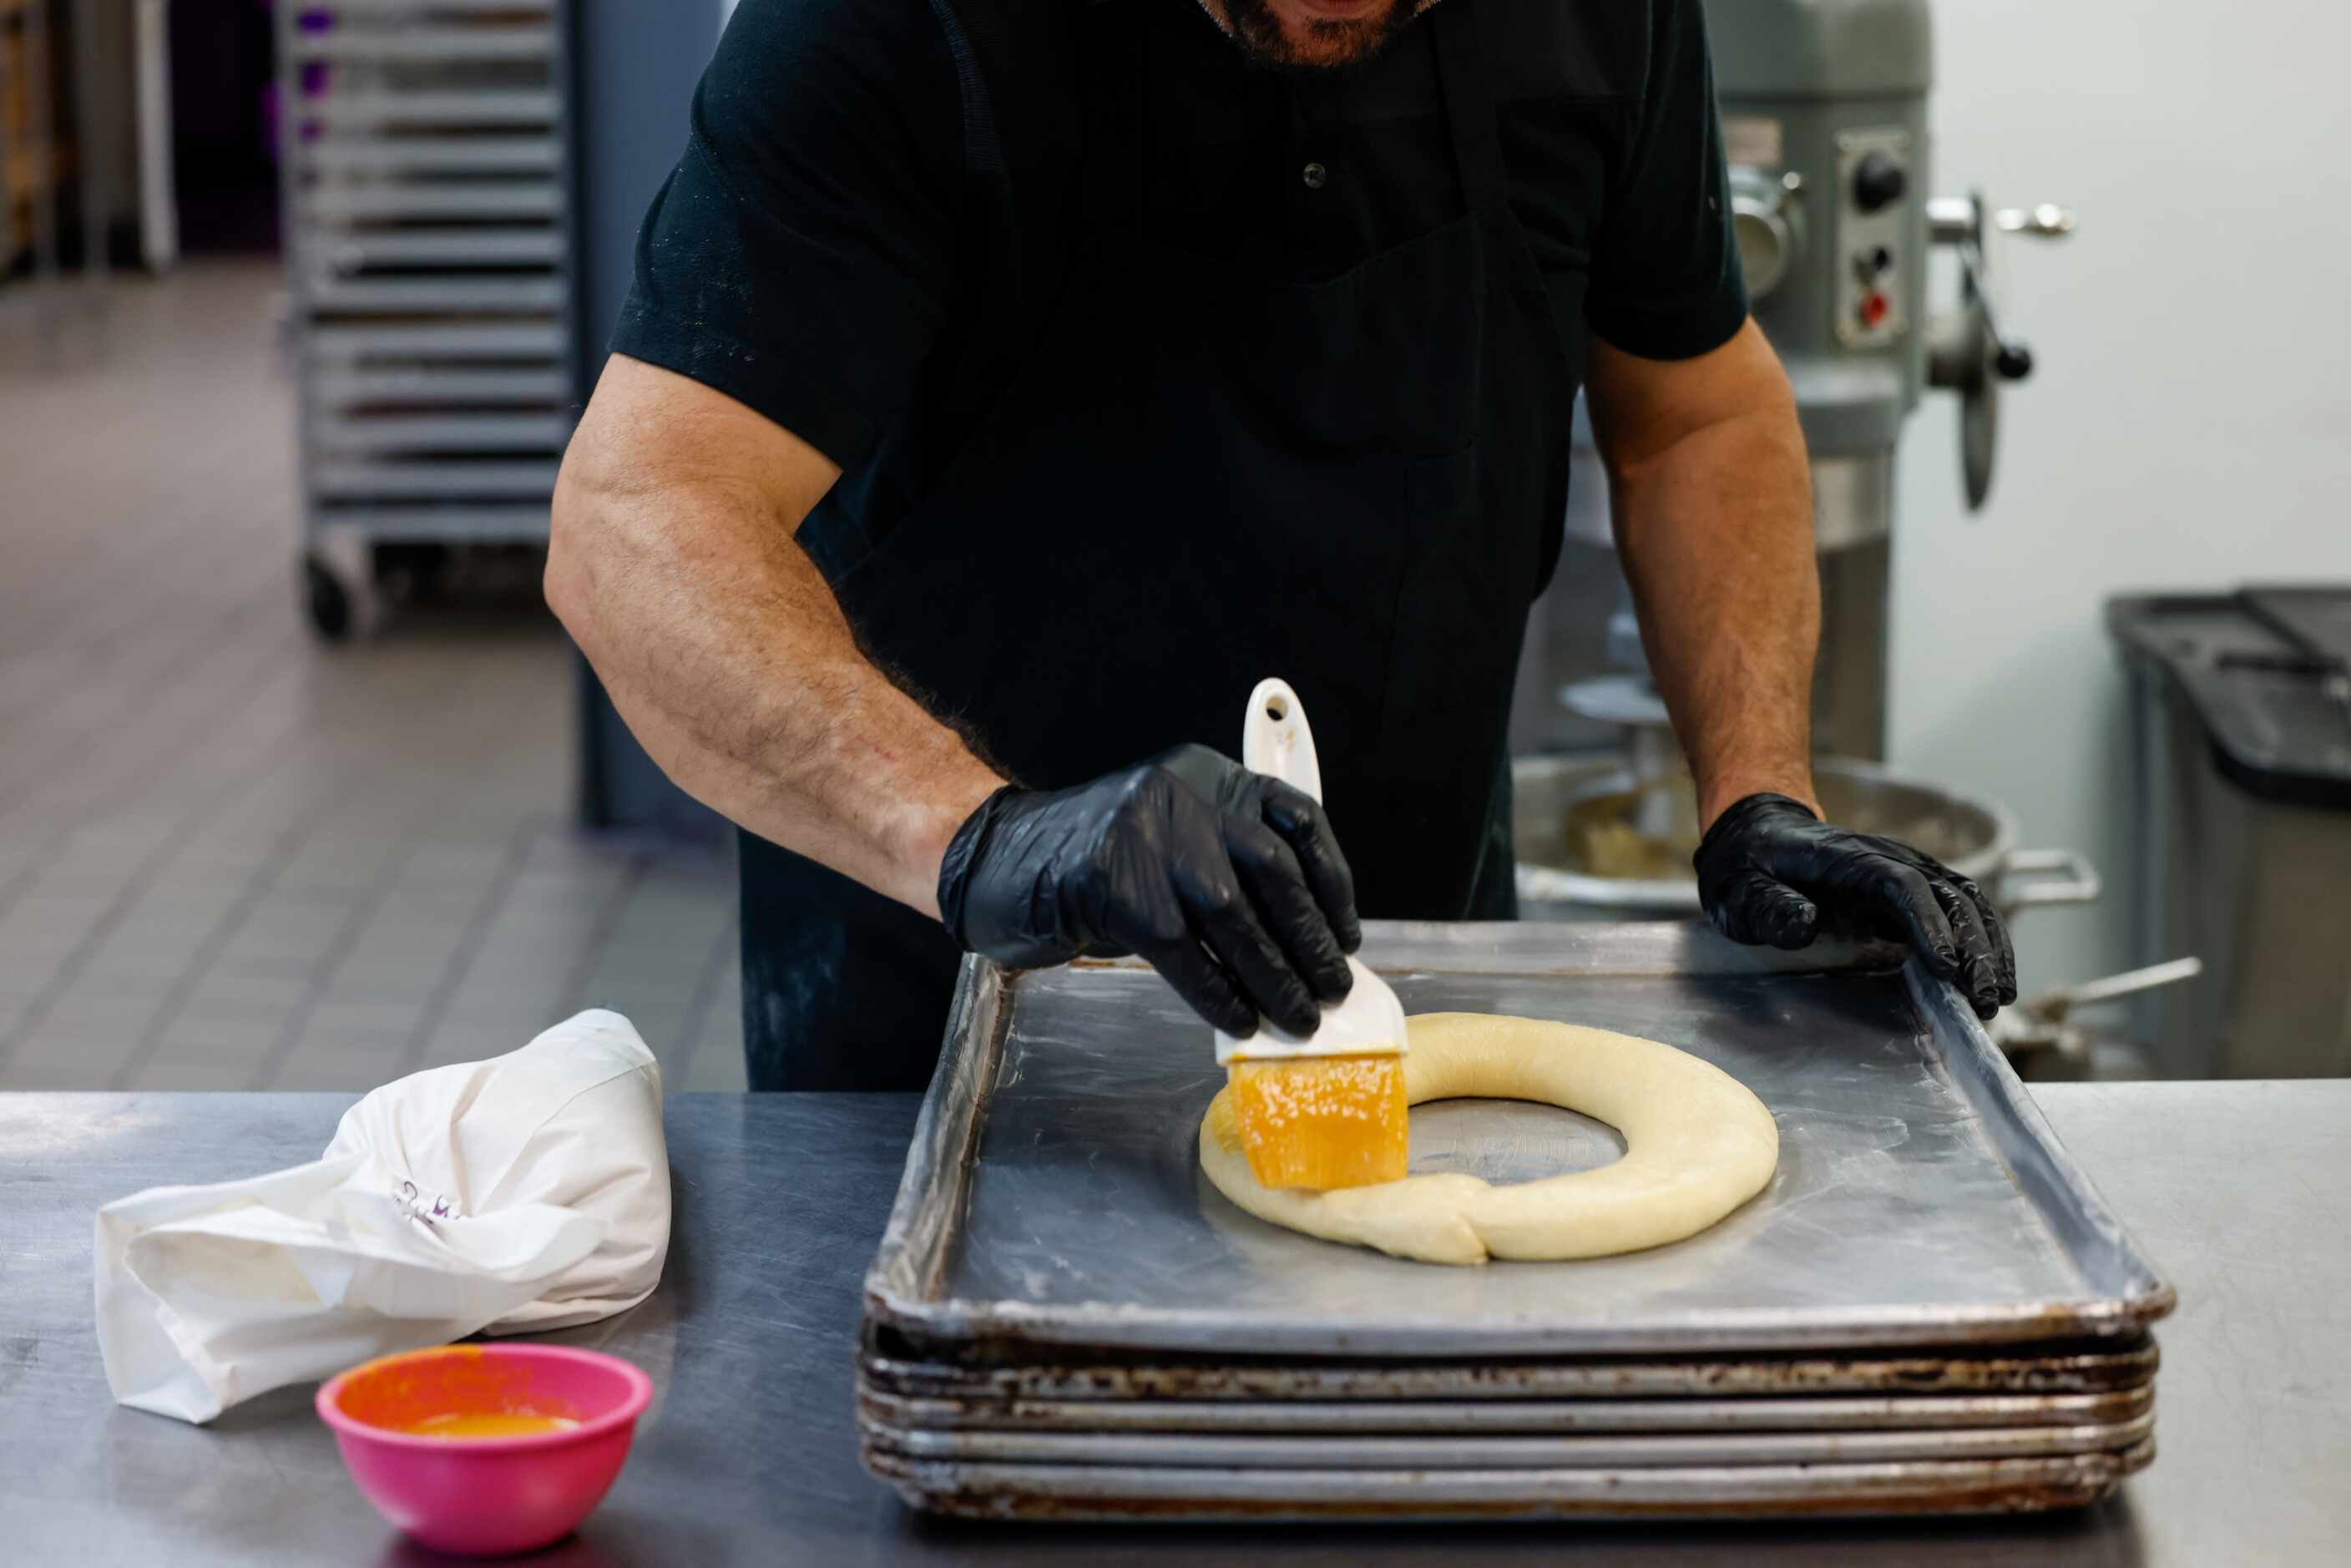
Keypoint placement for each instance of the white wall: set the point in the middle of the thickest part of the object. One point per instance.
(2190, 421)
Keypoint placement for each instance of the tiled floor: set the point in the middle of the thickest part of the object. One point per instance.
(232, 858)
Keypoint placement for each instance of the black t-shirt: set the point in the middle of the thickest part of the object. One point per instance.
(817, 253)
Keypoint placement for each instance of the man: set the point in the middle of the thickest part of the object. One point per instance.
(1008, 385)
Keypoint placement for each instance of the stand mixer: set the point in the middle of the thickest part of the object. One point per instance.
(1824, 109)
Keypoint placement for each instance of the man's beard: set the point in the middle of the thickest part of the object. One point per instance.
(1326, 45)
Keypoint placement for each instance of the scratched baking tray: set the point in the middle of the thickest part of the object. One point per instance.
(1455, 1452)
(1506, 1416)
(1052, 1195)
(1728, 1491)
(2077, 1367)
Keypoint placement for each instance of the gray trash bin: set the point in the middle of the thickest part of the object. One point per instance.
(2241, 706)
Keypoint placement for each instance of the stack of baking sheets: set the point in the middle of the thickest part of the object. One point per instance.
(1928, 1310)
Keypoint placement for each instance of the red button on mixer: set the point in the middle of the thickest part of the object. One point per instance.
(1874, 308)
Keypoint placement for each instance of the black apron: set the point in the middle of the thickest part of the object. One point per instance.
(1199, 479)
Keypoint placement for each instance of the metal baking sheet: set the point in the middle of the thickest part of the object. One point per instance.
(1170, 1496)
(1453, 1417)
(1198, 1450)
(1052, 1194)
(2080, 1367)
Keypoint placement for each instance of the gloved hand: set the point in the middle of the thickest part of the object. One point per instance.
(1227, 881)
(1771, 873)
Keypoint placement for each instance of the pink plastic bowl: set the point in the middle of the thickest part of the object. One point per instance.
(486, 1496)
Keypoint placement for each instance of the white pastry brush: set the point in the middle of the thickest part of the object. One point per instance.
(1326, 1111)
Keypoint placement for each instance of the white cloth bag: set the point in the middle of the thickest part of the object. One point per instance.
(527, 1192)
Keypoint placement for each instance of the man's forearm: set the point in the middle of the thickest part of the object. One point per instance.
(722, 646)
(1714, 521)
(1715, 529)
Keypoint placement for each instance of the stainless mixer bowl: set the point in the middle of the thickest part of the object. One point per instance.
(1590, 845)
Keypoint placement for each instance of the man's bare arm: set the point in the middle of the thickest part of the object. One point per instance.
(1712, 498)
(1714, 520)
(674, 565)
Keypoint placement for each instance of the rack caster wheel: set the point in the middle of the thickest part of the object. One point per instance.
(328, 601)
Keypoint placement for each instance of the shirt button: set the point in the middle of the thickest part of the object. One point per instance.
(1316, 176)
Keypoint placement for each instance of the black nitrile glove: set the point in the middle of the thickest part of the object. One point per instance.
(1770, 873)
(1227, 881)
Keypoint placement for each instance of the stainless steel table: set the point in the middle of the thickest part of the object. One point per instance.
(2239, 1191)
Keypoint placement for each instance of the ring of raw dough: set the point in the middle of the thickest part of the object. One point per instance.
(1697, 1143)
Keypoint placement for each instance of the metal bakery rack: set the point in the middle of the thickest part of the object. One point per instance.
(428, 183)
(1928, 1310)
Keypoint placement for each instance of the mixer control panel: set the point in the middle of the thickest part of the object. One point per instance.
(1873, 177)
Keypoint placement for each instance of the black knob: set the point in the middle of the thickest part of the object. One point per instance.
(1879, 182)
(2013, 362)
